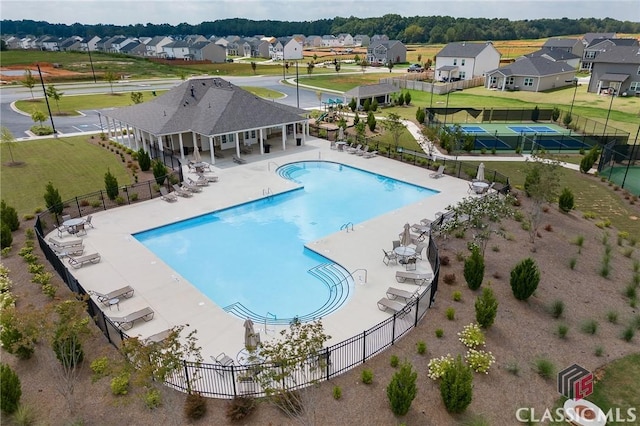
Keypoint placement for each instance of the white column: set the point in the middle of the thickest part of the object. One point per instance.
(284, 137)
(138, 137)
(194, 138)
(108, 132)
(130, 135)
(213, 156)
(181, 145)
(160, 144)
(304, 132)
(121, 140)
(261, 142)
(237, 141)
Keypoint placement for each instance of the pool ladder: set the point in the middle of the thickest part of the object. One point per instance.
(270, 163)
(266, 322)
(347, 226)
(266, 192)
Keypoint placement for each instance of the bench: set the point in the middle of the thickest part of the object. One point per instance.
(419, 279)
(127, 321)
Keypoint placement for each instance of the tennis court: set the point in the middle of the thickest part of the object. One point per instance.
(626, 177)
(532, 129)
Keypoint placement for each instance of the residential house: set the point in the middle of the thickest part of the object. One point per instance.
(263, 50)
(345, 39)
(588, 38)
(313, 41)
(222, 42)
(378, 37)
(361, 40)
(50, 43)
(120, 42)
(556, 55)
(600, 45)
(105, 45)
(70, 44)
(28, 42)
(534, 74)
(238, 47)
(276, 51)
(383, 52)
(134, 48)
(300, 38)
(13, 43)
(176, 50)
(616, 71)
(329, 40)
(572, 45)
(212, 114)
(90, 44)
(464, 60)
(156, 44)
(190, 39)
(207, 51)
(292, 50)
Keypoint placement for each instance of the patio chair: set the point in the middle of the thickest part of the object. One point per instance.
(79, 262)
(471, 188)
(65, 217)
(63, 244)
(389, 256)
(393, 293)
(410, 264)
(198, 182)
(88, 221)
(77, 229)
(223, 360)
(239, 160)
(396, 244)
(392, 305)
(126, 322)
(437, 174)
(354, 150)
(181, 192)
(61, 230)
(67, 251)
(167, 196)
(123, 292)
(417, 278)
(192, 188)
(370, 154)
(419, 248)
(363, 151)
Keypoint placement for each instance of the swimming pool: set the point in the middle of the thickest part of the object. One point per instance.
(250, 259)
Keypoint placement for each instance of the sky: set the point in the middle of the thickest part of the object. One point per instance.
(196, 11)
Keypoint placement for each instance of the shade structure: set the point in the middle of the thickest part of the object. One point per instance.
(250, 338)
(196, 154)
(480, 175)
(405, 237)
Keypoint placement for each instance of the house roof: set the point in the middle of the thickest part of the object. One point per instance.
(614, 77)
(371, 90)
(619, 55)
(447, 68)
(533, 67)
(589, 37)
(555, 54)
(462, 49)
(209, 106)
(129, 46)
(560, 42)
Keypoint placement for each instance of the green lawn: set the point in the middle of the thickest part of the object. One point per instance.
(264, 92)
(73, 165)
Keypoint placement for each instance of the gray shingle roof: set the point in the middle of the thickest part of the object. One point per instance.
(462, 49)
(619, 55)
(560, 42)
(533, 67)
(555, 54)
(216, 107)
(370, 90)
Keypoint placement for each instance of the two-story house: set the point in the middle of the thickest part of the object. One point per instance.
(292, 50)
(384, 52)
(616, 71)
(177, 50)
(464, 60)
(571, 45)
(155, 45)
(600, 45)
(361, 40)
(556, 55)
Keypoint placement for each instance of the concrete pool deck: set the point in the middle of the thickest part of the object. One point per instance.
(175, 301)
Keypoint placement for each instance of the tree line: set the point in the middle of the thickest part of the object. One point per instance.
(416, 29)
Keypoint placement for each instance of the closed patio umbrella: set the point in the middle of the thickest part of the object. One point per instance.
(196, 154)
(250, 338)
(480, 175)
(341, 134)
(405, 238)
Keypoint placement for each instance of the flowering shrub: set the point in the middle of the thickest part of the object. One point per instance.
(480, 360)
(471, 336)
(437, 366)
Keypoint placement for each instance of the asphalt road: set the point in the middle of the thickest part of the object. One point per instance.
(90, 120)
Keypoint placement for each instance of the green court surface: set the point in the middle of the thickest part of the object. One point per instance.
(512, 128)
(617, 175)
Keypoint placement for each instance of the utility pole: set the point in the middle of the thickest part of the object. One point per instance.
(46, 98)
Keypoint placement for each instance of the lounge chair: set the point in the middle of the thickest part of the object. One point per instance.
(192, 188)
(67, 251)
(239, 160)
(410, 264)
(64, 244)
(389, 256)
(198, 182)
(363, 151)
(78, 262)
(123, 292)
(354, 150)
(158, 337)
(167, 196)
(392, 305)
(181, 192)
(370, 154)
(393, 293)
(417, 278)
(209, 177)
(438, 174)
(127, 321)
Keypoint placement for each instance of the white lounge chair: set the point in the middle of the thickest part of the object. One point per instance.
(392, 305)
(64, 244)
(127, 321)
(370, 154)
(417, 278)
(354, 150)
(198, 182)
(362, 152)
(126, 292)
(437, 174)
(67, 251)
(209, 177)
(239, 160)
(192, 188)
(393, 293)
(167, 196)
(181, 192)
(78, 262)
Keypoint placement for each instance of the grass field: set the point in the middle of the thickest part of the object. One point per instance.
(73, 165)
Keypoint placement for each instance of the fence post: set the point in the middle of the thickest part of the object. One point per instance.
(393, 330)
(104, 206)
(233, 380)
(415, 322)
(364, 346)
(186, 374)
(106, 327)
(78, 206)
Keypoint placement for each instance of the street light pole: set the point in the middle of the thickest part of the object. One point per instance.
(91, 62)
(575, 83)
(607, 120)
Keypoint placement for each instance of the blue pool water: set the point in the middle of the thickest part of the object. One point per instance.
(250, 259)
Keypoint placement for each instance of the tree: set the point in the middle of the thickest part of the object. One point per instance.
(566, 120)
(555, 113)
(366, 106)
(356, 119)
(400, 100)
(589, 159)
(363, 65)
(535, 114)
(9, 216)
(52, 199)
(407, 98)
(337, 67)
(374, 105)
(136, 97)
(159, 171)
(474, 269)
(297, 357)
(110, 77)
(310, 67)
(390, 65)
(53, 93)
(394, 125)
(402, 389)
(525, 278)
(420, 115)
(419, 58)
(38, 116)
(371, 121)
(361, 130)
(254, 66)
(352, 104)
(542, 183)
(456, 386)
(6, 138)
(19, 330)
(144, 161)
(111, 185)
(11, 391)
(486, 308)
(29, 81)
(566, 201)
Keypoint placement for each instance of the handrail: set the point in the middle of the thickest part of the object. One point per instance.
(346, 226)
(267, 191)
(266, 321)
(270, 163)
(366, 273)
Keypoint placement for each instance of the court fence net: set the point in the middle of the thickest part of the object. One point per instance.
(620, 164)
